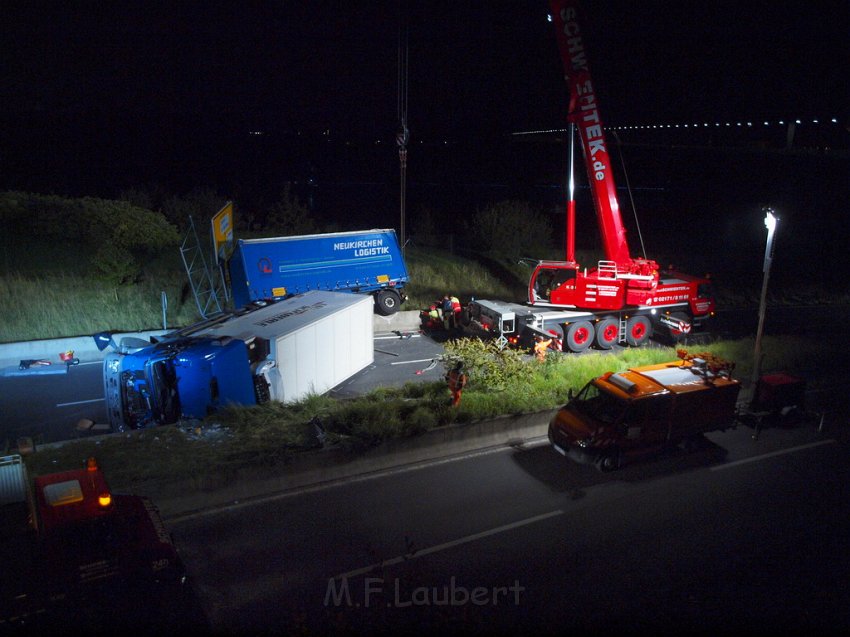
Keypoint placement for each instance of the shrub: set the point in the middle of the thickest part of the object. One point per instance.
(489, 367)
(117, 237)
(510, 228)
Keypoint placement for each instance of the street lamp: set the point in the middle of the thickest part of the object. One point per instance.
(770, 222)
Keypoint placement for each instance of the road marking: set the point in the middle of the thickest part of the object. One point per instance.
(396, 337)
(421, 360)
(528, 443)
(448, 545)
(772, 454)
(81, 402)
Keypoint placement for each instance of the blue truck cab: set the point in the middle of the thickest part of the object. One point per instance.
(141, 385)
(364, 262)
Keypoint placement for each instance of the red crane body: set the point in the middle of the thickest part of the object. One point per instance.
(620, 281)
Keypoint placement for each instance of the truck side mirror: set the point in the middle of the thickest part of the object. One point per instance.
(104, 340)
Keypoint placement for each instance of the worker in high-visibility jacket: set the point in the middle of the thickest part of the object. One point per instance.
(435, 319)
(456, 310)
(448, 315)
(540, 346)
(457, 379)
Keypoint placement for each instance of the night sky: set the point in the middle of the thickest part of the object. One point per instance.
(152, 71)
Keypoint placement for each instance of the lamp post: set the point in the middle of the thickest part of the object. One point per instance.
(770, 222)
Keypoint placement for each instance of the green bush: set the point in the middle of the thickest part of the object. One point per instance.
(489, 368)
(510, 228)
(115, 239)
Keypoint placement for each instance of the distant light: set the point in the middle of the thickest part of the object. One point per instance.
(781, 123)
(548, 17)
(814, 121)
(797, 121)
(834, 121)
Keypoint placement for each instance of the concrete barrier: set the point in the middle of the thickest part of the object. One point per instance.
(401, 321)
(329, 466)
(11, 354)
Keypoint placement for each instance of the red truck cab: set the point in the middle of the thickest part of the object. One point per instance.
(77, 551)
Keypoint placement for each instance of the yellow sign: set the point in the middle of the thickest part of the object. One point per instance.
(222, 231)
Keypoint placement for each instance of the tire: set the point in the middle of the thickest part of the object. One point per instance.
(607, 332)
(677, 336)
(579, 336)
(608, 462)
(638, 330)
(387, 302)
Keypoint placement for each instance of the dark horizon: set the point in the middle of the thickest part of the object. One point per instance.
(124, 94)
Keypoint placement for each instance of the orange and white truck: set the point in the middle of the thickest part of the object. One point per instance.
(72, 550)
(622, 415)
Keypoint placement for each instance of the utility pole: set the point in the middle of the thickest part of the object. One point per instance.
(403, 134)
(770, 222)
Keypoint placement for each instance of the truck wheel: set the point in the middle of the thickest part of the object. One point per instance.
(608, 461)
(638, 330)
(607, 332)
(579, 336)
(679, 335)
(387, 302)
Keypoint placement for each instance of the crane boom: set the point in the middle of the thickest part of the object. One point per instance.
(584, 113)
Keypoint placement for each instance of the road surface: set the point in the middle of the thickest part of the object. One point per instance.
(743, 536)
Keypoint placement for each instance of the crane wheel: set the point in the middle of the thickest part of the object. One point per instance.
(638, 330)
(607, 332)
(579, 336)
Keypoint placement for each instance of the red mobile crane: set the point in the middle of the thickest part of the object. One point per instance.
(623, 298)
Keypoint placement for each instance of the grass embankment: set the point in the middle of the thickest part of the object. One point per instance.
(254, 440)
(65, 300)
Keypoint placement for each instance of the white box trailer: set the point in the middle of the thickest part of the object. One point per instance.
(317, 340)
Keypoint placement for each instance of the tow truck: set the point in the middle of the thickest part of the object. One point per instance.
(622, 299)
(74, 551)
(621, 416)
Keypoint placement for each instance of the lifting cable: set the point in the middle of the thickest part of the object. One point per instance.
(403, 50)
(629, 190)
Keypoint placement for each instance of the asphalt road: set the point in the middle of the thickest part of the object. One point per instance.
(742, 536)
